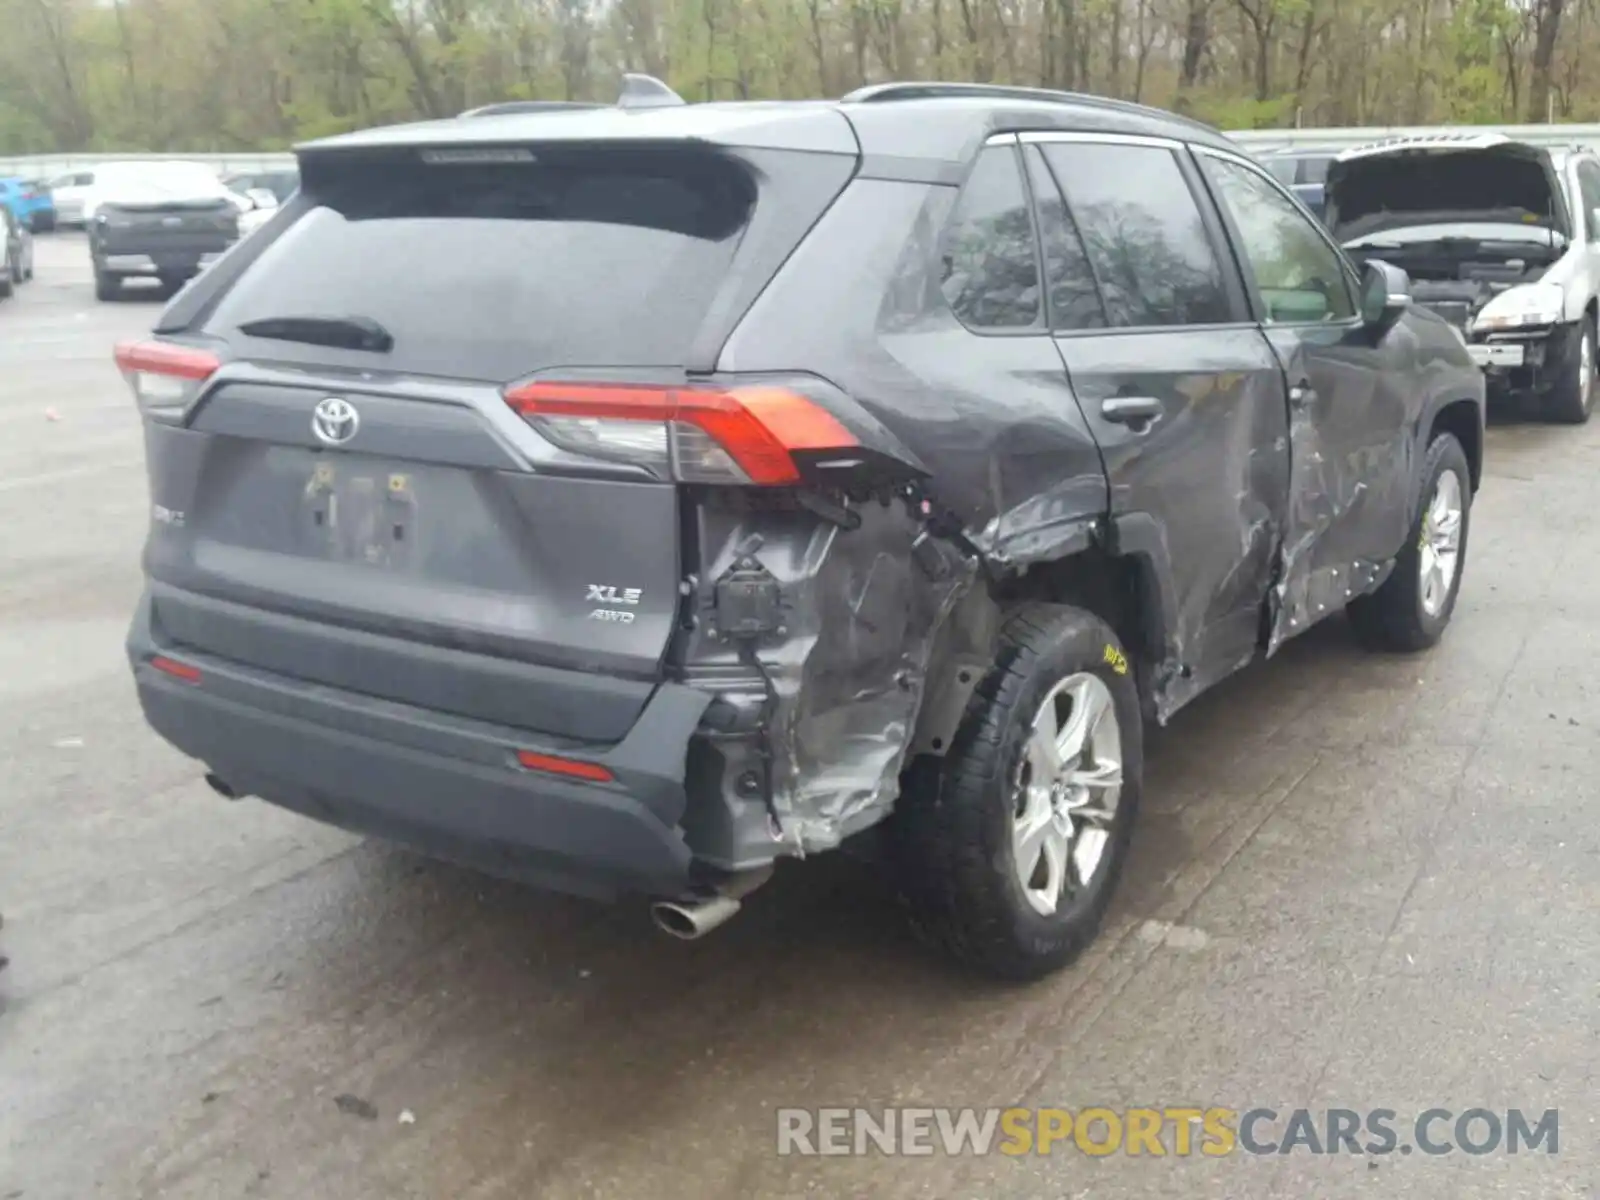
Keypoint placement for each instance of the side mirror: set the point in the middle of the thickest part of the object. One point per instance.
(1385, 294)
(261, 197)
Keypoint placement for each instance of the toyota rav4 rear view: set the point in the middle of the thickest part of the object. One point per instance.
(625, 499)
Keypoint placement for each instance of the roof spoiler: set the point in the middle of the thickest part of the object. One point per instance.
(638, 91)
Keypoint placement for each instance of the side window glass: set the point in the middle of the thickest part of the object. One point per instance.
(990, 270)
(1145, 238)
(1069, 279)
(1301, 278)
(86, 180)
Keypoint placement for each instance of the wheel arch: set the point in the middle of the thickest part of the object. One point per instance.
(1126, 583)
(1464, 419)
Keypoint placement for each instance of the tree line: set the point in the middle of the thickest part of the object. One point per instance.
(236, 75)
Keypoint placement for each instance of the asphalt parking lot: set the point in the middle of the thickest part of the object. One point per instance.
(1358, 882)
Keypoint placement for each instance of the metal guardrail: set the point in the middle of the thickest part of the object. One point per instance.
(1261, 140)
(48, 166)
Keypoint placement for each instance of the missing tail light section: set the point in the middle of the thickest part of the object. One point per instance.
(743, 435)
(164, 377)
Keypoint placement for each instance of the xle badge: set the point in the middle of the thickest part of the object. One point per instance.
(604, 593)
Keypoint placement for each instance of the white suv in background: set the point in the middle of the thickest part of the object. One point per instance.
(1500, 238)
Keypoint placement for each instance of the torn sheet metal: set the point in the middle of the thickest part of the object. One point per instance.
(1352, 487)
(818, 757)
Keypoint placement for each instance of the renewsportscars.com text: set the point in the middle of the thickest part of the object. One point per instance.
(1168, 1131)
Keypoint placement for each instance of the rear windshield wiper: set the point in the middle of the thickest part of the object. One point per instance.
(343, 333)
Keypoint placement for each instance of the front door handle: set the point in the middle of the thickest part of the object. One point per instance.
(1131, 410)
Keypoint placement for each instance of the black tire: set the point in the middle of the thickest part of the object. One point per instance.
(1394, 617)
(951, 837)
(1569, 401)
(106, 287)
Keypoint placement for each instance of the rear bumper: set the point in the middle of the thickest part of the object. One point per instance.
(448, 787)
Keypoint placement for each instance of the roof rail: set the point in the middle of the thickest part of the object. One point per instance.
(524, 106)
(646, 91)
(933, 90)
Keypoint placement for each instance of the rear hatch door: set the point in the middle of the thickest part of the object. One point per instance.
(360, 504)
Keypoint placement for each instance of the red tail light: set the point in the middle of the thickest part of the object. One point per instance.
(571, 767)
(176, 669)
(164, 377)
(691, 434)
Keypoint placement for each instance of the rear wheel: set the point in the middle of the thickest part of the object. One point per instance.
(1008, 851)
(1572, 398)
(1414, 605)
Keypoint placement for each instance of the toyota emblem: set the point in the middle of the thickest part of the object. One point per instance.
(335, 420)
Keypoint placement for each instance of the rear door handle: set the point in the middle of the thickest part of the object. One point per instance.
(1131, 410)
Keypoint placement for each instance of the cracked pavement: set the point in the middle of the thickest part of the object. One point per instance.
(1357, 882)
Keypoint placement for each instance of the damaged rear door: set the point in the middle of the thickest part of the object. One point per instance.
(1182, 392)
(1353, 471)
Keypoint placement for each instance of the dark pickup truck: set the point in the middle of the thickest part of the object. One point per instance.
(164, 221)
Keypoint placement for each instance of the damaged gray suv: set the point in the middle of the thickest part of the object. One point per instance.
(623, 499)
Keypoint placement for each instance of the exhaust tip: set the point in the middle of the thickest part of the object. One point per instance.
(697, 914)
(222, 788)
(673, 919)
(694, 917)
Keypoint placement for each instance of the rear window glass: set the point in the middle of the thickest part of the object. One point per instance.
(491, 271)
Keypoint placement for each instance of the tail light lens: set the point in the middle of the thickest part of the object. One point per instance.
(164, 377)
(744, 435)
(572, 768)
(178, 670)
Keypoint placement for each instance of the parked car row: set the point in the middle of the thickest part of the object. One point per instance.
(30, 201)
(16, 264)
(165, 220)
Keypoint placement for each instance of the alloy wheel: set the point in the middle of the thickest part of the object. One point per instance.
(1440, 542)
(1068, 787)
